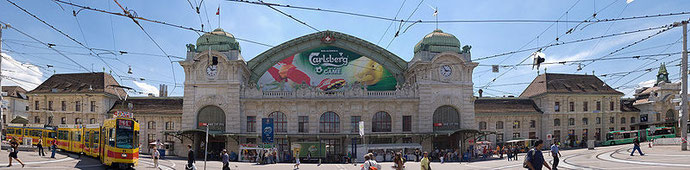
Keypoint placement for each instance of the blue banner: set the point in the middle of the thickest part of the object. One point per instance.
(267, 130)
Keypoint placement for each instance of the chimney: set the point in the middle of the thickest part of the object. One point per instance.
(163, 90)
(480, 92)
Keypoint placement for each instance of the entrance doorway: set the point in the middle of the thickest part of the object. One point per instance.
(215, 146)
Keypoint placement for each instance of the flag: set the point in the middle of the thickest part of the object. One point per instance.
(629, 1)
(218, 11)
(435, 12)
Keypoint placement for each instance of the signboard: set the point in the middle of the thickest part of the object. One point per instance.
(267, 130)
(122, 114)
(125, 124)
(549, 136)
(361, 128)
(312, 150)
(327, 68)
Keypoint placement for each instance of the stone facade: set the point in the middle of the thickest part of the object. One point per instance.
(157, 117)
(15, 103)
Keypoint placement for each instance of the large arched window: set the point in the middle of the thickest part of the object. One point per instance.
(556, 122)
(482, 125)
(213, 116)
(151, 125)
(279, 121)
(381, 122)
(670, 115)
(499, 125)
(329, 123)
(37, 119)
(446, 118)
(622, 120)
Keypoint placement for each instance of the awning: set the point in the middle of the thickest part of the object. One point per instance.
(451, 132)
(395, 146)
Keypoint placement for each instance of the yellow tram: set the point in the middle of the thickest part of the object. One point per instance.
(115, 143)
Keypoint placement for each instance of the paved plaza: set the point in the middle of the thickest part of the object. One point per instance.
(610, 157)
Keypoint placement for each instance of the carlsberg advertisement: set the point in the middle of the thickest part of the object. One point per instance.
(326, 68)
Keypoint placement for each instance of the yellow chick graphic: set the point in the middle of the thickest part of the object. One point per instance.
(371, 73)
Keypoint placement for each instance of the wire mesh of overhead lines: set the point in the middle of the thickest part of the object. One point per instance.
(563, 26)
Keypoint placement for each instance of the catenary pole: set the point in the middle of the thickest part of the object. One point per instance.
(684, 104)
(1, 114)
(206, 147)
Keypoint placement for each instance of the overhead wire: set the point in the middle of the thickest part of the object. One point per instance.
(291, 17)
(397, 33)
(391, 22)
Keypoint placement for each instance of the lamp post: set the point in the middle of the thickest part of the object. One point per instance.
(2, 26)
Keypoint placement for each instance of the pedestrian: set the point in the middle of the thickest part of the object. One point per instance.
(425, 163)
(441, 155)
(636, 146)
(226, 159)
(40, 148)
(416, 155)
(53, 148)
(155, 157)
(555, 153)
(190, 158)
(399, 162)
(535, 159)
(515, 153)
(369, 163)
(14, 149)
(296, 166)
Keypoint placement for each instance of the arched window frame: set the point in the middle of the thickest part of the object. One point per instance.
(279, 121)
(482, 125)
(381, 122)
(329, 122)
(499, 125)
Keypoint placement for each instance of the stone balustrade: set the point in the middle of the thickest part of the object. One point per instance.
(404, 91)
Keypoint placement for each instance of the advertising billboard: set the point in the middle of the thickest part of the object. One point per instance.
(327, 68)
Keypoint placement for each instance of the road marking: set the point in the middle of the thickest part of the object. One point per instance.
(609, 157)
(160, 166)
(42, 162)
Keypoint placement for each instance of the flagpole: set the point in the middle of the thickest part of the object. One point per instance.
(218, 15)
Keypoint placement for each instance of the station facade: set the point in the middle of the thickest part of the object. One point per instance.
(319, 86)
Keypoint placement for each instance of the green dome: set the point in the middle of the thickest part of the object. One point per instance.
(217, 40)
(438, 41)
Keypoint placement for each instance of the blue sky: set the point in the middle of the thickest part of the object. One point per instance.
(261, 24)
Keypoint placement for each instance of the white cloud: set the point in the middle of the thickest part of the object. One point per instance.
(648, 83)
(146, 88)
(15, 73)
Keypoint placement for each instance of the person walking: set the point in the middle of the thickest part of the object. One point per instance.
(369, 163)
(425, 163)
(515, 153)
(190, 158)
(535, 159)
(555, 153)
(155, 156)
(636, 146)
(53, 148)
(399, 162)
(226, 159)
(296, 166)
(40, 148)
(14, 149)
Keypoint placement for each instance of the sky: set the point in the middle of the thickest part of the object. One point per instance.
(27, 63)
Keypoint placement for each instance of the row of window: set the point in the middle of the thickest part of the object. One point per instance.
(585, 106)
(63, 120)
(63, 106)
(516, 124)
(585, 121)
(168, 125)
(329, 122)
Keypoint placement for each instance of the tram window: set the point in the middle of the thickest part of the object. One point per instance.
(76, 136)
(626, 135)
(111, 137)
(10, 131)
(86, 137)
(94, 137)
(52, 134)
(26, 133)
(63, 135)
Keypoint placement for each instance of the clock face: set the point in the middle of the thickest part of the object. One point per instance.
(445, 70)
(212, 70)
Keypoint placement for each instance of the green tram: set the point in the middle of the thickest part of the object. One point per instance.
(625, 137)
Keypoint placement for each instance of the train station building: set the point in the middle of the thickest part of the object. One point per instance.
(317, 87)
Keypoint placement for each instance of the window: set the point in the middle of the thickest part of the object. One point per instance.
(612, 120)
(611, 129)
(407, 140)
(598, 105)
(622, 120)
(63, 105)
(516, 135)
(151, 125)
(381, 122)
(151, 137)
(77, 121)
(612, 105)
(482, 125)
(37, 119)
(658, 117)
(597, 134)
(632, 119)
(50, 105)
(169, 125)
(556, 122)
(585, 106)
(36, 105)
(251, 123)
(516, 124)
(571, 122)
(303, 124)
(63, 120)
(330, 123)
(598, 120)
(532, 135)
(93, 106)
(279, 121)
(499, 137)
(50, 120)
(77, 106)
(92, 121)
(532, 124)
(585, 121)
(407, 123)
(557, 107)
(622, 128)
(572, 106)
(585, 134)
(354, 122)
(499, 125)
(26, 108)
(556, 135)
(333, 146)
